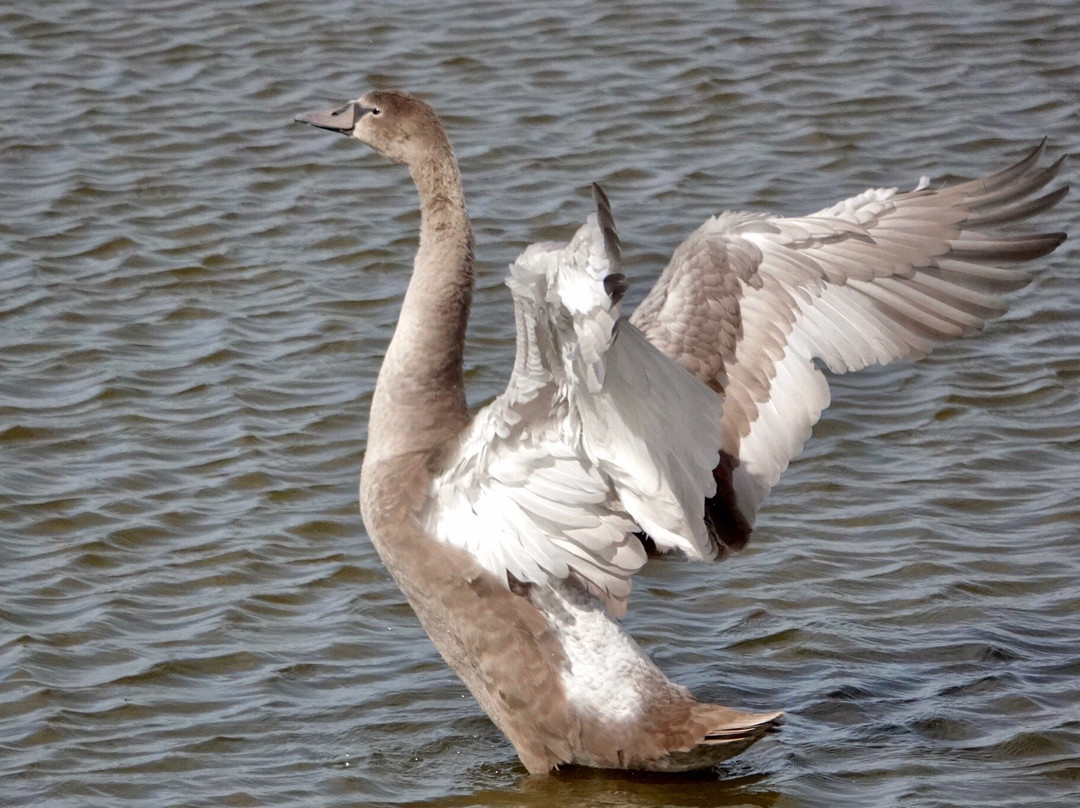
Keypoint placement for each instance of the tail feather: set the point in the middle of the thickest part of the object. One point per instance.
(729, 733)
(737, 724)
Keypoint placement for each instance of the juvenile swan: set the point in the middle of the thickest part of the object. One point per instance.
(514, 532)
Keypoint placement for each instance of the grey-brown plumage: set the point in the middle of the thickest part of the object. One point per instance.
(514, 532)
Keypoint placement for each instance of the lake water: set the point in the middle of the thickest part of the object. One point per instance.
(195, 295)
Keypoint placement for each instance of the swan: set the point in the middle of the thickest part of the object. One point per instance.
(514, 532)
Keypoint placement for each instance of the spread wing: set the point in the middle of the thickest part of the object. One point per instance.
(748, 304)
(598, 436)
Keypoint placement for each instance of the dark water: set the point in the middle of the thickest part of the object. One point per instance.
(195, 296)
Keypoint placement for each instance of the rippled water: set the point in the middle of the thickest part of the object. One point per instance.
(195, 296)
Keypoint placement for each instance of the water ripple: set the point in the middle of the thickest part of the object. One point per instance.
(195, 298)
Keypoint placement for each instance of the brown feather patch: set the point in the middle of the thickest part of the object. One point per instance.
(728, 529)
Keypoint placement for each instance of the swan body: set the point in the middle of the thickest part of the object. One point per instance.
(515, 532)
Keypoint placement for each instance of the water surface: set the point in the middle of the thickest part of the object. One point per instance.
(194, 300)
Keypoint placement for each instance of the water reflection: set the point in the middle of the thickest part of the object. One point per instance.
(574, 787)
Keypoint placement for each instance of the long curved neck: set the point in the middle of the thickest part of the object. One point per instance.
(419, 398)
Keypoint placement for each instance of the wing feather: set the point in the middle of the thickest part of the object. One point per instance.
(601, 436)
(598, 436)
(871, 279)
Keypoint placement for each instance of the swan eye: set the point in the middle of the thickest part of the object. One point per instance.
(376, 111)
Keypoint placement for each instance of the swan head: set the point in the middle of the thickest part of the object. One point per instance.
(399, 126)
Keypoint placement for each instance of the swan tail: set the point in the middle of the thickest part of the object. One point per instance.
(729, 733)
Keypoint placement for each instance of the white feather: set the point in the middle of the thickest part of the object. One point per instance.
(598, 436)
(603, 431)
(874, 278)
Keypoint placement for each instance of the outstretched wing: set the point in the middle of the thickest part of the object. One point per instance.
(749, 302)
(598, 436)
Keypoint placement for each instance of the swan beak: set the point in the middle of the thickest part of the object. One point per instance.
(340, 120)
